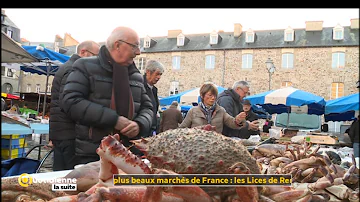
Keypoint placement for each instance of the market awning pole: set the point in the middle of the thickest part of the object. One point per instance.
(38, 106)
(288, 118)
(47, 81)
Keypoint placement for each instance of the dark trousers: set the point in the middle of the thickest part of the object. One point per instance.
(64, 154)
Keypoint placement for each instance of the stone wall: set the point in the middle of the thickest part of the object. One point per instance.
(312, 70)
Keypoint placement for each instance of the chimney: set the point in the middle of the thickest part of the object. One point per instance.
(354, 23)
(173, 33)
(314, 25)
(69, 40)
(237, 29)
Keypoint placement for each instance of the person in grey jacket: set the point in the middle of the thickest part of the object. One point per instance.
(106, 95)
(61, 127)
(232, 99)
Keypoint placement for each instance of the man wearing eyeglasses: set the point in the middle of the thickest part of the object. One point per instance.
(232, 100)
(106, 95)
(61, 127)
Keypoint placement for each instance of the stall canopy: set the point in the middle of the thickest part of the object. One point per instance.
(48, 63)
(10, 96)
(12, 52)
(287, 100)
(187, 97)
(342, 109)
(49, 60)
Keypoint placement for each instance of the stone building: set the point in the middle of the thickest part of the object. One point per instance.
(9, 77)
(317, 59)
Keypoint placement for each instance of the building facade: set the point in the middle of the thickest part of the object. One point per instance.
(316, 59)
(9, 77)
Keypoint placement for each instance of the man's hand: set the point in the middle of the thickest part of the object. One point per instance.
(240, 117)
(121, 123)
(254, 125)
(131, 130)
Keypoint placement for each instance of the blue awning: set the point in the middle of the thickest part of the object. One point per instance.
(285, 99)
(342, 109)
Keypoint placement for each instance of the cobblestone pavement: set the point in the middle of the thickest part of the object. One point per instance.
(31, 142)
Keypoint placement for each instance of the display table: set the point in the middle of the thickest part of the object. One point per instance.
(9, 129)
(40, 128)
(11, 132)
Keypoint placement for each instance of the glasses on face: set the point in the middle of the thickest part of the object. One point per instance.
(245, 92)
(210, 95)
(91, 53)
(134, 47)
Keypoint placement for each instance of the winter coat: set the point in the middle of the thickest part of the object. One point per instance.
(196, 117)
(354, 131)
(170, 119)
(87, 97)
(61, 127)
(153, 95)
(230, 100)
(251, 116)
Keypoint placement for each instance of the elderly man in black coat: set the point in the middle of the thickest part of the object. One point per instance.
(106, 95)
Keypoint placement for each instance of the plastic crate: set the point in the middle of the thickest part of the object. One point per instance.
(15, 143)
(14, 136)
(15, 153)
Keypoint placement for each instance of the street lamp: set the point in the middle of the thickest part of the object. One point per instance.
(271, 69)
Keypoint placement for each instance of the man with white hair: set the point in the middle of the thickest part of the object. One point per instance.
(153, 72)
(232, 100)
(106, 95)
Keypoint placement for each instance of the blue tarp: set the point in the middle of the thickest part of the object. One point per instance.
(280, 101)
(168, 100)
(342, 109)
(46, 56)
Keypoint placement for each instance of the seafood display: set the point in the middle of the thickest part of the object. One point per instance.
(200, 151)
